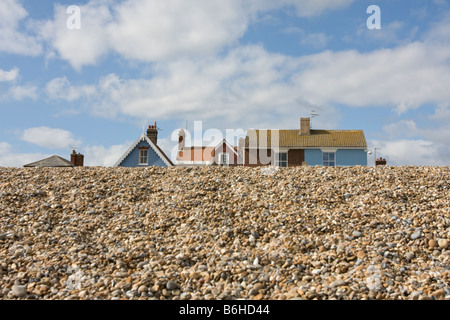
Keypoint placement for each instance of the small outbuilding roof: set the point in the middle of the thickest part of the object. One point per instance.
(53, 161)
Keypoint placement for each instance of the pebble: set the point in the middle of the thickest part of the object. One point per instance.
(443, 243)
(432, 244)
(171, 285)
(409, 255)
(338, 283)
(416, 235)
(356, 234)
(19, 291)
(224, 233)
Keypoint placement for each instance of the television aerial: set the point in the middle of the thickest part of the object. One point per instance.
(313, 114)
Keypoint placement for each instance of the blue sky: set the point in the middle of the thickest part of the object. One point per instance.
(233, 64)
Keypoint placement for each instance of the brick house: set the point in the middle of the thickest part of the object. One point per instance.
(222, 154)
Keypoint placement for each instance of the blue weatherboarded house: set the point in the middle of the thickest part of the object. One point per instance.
(144, 152)
(288, 148)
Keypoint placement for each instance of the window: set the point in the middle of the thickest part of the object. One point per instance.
(224, 159)
(143, 156)
(329, 159)
(281, 159)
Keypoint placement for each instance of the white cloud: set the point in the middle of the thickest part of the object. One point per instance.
(251, 82)
(104, 156)
(155, 31)
(80, 47)
(16, 92)
(404, 77)
(10, 158)
(20, 93)
(407, 143)
(61, 89)
(50, 138)
(11, 39)
(9, 76)
(395, 32)
(247, 87)
(315, 40)
(402, 128)
(409, 152)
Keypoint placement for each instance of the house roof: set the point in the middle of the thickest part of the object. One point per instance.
(317, 138)
(157, 149)
(53, 161)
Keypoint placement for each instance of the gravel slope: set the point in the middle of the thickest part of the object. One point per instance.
(225, 233)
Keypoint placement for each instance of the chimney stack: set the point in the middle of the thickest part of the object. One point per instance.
(380, 162)
(77, 159)
(152, 133)
(305, 126)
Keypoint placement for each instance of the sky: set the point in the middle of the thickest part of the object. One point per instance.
(93, 74)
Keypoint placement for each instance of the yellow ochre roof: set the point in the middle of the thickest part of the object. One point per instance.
(317, 138)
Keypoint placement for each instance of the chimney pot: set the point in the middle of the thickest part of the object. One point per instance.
(152, 133)
(77, 159)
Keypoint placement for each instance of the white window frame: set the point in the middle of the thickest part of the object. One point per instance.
(143, 157)
(328, 161)
(278, 161)
(224, 156)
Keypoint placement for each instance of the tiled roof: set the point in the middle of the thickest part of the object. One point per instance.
(317, 138)
(53, 161)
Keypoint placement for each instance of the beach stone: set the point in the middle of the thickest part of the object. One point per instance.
(338, 283)
(443, 243)
(19, 291)
(357, 234)
(361, 254)
(439, 293)
(432, 244)
(409, 255)
(416, 235)
(171, 285)
(142, 289)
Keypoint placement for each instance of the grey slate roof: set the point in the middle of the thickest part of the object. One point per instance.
(53, 161)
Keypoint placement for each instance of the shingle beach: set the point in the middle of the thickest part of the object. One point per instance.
(225, 233)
